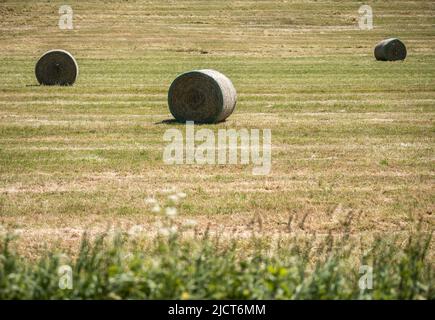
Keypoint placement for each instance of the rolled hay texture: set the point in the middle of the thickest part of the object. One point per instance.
(56, 67)
(203, 96)
(390, 50)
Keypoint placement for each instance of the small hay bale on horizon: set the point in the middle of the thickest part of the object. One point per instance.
(202, 96)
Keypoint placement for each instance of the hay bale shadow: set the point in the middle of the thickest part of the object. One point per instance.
(168, 122)
(175, 122)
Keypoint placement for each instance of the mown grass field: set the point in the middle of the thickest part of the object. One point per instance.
(350, 135)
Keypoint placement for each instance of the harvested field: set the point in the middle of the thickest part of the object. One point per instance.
(350, 135)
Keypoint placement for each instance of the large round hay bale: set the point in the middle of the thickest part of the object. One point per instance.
(56, 67)
(390, 50)
(203, 96)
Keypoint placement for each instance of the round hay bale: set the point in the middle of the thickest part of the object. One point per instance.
(390, 50)
(56, 67)
(203, 96)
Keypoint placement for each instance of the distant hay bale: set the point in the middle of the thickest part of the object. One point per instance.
(390, 50)
(203, 96)
(56, 67)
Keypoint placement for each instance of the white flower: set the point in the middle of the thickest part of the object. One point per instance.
(164, 231)
(18, 232)
(168, 231)
(156, 209)
(171, 211)
(135, 230)
(190, 223)
(181, 195)
(173, 198)
(150, 201)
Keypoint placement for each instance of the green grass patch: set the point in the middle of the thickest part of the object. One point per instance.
(170, 267)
